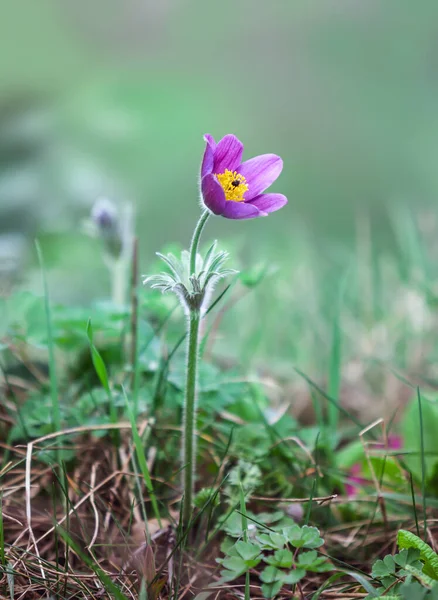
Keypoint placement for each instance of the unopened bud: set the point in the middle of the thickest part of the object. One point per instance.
(105, 218)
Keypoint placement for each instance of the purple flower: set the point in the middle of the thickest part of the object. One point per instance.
(234, 189)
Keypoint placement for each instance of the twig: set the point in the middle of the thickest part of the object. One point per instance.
(96, 514)
(320, 499)
(29, 506)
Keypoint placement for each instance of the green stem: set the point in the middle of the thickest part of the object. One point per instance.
(189, 445)
(190, 416)
(195, 240)
(118, 282)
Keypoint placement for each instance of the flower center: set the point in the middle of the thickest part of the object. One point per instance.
(233, 184)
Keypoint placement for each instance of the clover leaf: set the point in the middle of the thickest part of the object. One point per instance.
(249, 552)
(282, 559)
(271, 541)
(303, 537)
(312, 562)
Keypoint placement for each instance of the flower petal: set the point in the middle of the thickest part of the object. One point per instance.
(228, 154)
(269, 202)
(260, 172)
(213, 194)
(241, 210)
(208, 159)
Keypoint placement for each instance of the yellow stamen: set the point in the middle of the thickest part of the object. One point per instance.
(233, 184)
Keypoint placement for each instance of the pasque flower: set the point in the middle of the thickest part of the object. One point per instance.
(234, 189)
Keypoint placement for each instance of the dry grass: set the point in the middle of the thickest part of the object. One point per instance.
(71, 545)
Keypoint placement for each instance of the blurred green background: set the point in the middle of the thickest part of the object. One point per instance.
(112, 98)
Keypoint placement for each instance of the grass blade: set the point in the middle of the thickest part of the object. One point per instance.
(56, 409)
(141, 459)
(423, 463)
(102, 373)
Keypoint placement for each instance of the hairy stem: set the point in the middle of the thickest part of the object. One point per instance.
(189, 442)
(195, 240)
(189, 445)
(118, 282)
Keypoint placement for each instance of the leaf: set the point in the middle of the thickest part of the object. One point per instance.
(271, 541)
(247, 550)
(424, 579)
(389, 564)
(282, 559)
(235, 564)
(271, 574)
(412, 439)
(387, 470)
(11, 580)
(407, 539)
(408, 556)
(368, 587)
(227, 576)
(379, 570)
(270, 590)
(326, 585)
(312, 562)
(294, 576)
(228, 547)
(303, 537)
(204, 595)
(98, 363)
(413, 591)
(232, 525)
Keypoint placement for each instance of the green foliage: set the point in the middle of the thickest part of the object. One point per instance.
(303, 537)
(412, 438)
(207, 495)
(282, 551)
(245, 476)
(405, 575)
(408, 540)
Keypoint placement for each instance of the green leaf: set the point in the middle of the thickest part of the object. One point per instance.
(424, 579)
(236, 564)
(270, 590)
(405, 557)
(232, 525)
(247, 550)
(350, 454)
(271, 541)
(368, 587)
(282, 559)
(389, 564)
(205, 496)
(379, 570)
(412, 438)
(312, 562)
(98, 363)
(407, 539)
(204, 595)
(303, 537)
(228, 547)
(271, 575)
(413, 591)
(228, 576)
(294, 576)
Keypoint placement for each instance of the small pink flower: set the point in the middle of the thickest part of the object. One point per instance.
(395, 442)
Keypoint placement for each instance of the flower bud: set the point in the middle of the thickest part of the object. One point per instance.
(104, 214)
(106, 220)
